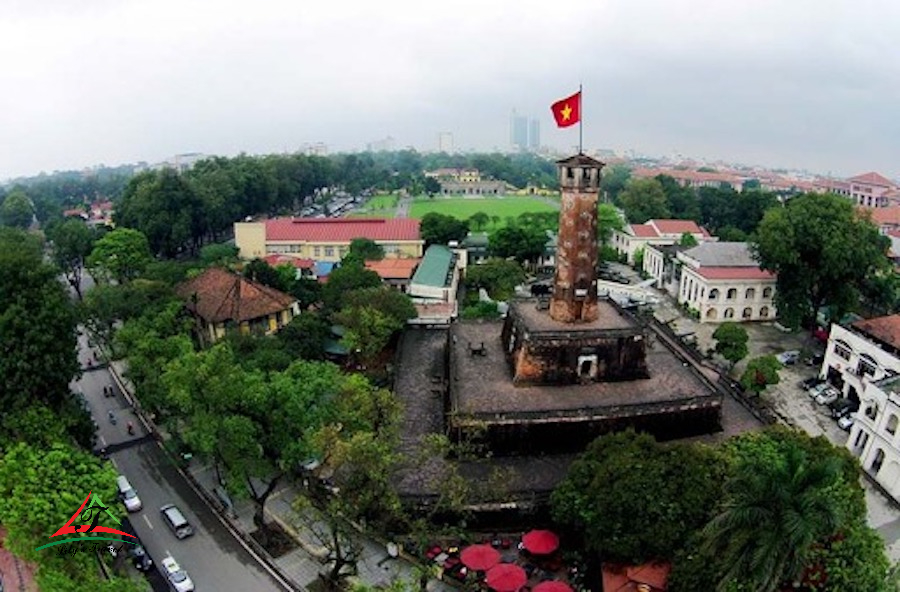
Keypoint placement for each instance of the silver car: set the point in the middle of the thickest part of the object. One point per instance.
(828, 396)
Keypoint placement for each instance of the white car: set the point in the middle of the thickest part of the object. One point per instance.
(828, 396)
(177, 577)
(788, 358)
(846, 422)
(817, 390)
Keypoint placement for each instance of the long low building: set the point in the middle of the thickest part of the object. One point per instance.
(326, 239)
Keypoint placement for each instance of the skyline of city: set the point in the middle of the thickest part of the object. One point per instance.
(788, 86)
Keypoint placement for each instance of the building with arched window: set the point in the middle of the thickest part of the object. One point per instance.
(874, 439)
(719, 281)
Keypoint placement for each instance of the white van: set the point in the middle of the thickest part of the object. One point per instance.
(127, 494)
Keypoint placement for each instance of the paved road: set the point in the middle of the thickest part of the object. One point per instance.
(213, 558)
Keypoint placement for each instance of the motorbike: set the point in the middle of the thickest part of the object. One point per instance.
(112, 418)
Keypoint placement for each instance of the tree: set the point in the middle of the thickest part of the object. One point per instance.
(37, 327)
(345, 278)
(644, 199)
(73, 242)
(367, 330)
(773, 515)
(479, 220)
(261, 272)
(389, 301)
(608, 220)
(688, 240)
(432, 186)
(120, 255)
(731, 342)
(307, 291)
(682, 202)
(822, 251)
(760, 373)
(440, 229)
(365, 249)
(16, 210)
(218, 254)
(614, 181)
(304, 337)
(634, 499)
(498, 276)
(522, 243)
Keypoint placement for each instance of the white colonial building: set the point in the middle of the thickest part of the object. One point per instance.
(718, 281)
(655, 232)
(861, 353)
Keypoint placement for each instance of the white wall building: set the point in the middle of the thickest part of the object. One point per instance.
(873, 438)
(719, 281)
(655, 232)
(863, 352)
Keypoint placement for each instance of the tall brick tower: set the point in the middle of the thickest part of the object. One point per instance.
(575, 286)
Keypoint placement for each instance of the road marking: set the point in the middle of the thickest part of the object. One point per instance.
(113, 461)
(103, 440)
(147, 520)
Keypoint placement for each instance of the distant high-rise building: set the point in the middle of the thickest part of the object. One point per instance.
(534, 135)
(445, 142)
(518, 131)
(314, 149)
(384, 145)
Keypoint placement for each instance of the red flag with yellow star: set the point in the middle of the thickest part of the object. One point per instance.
(567, 111)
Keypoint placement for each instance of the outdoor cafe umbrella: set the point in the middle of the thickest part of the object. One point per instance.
(552, 586)
(506, 577)
(480, 557)
(540, 542)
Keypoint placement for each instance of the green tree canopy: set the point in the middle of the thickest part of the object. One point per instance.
(37, 327)
(120, 255)
(634, 499)
(608, 220)
(440, 229)
(614, 180)
(644, 199)
(498, 276)
(345, 278)
(16, 210)
(72, 242)
(365, 249)
(479, 220)
(523, 243)
(731, 342)
(822, 251)
(760, 373)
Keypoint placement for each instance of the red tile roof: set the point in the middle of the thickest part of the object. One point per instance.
(341, 230)
(394, 269)
(299, 263)
(887, 329)
(675, 226)
(735, 273)
(217, 295)
(643, 230)
(873, 178)
(884, 216)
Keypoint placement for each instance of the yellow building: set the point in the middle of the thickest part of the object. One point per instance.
(224, 301)
(326, 239)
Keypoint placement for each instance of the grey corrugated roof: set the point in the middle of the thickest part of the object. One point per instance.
(718, 254)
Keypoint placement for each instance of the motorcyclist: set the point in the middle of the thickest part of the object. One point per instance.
(112, 417)
(130, 428)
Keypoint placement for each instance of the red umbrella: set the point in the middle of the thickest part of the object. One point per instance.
(506, 577)
(480, 557)
(552, 586)
(540, 542)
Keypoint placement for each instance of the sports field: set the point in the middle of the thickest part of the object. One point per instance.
(497, 208)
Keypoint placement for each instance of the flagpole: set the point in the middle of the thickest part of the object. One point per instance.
(580, 123)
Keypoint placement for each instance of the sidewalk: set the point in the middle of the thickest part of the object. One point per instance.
(302, 565)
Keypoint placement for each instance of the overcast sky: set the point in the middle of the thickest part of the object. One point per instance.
(791, 83)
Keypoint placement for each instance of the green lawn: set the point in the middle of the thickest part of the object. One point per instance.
(498, 208)
(382, 205)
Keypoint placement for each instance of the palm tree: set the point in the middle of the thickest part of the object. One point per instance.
(774, 514)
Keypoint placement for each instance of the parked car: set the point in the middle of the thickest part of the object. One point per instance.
(846, 422)
(808, 383)
(127, 494)
(828, 396)
(788, 358)
(843, 407)
(176, 521)
(816, 390)
(177, 577)
(140, 558)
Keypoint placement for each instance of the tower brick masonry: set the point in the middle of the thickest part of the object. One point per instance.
(575, 286)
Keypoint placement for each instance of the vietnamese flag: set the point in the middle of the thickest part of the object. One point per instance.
(567, 111)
